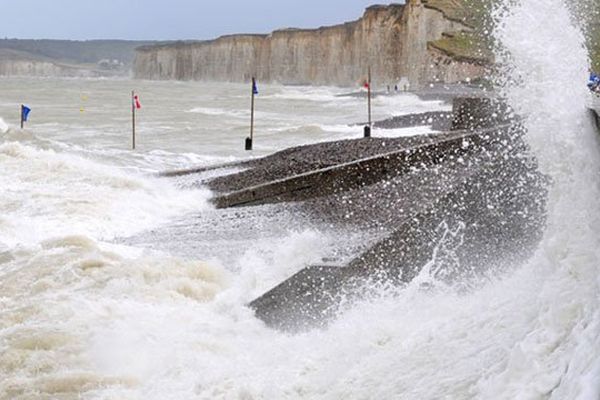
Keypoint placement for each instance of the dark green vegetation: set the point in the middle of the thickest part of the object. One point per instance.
(464, 46)
(594, 46)
(469, 12)
(473, 44)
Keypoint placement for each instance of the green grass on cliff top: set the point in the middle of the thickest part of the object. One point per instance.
(471, 46)
(594, 46)
(474, 13)
(464, 46)
(477, 45)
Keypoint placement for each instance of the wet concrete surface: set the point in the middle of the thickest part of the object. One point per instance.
(472, 215)
(303, 159)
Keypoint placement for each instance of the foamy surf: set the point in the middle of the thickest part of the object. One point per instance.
(53, 298)
(47, 194)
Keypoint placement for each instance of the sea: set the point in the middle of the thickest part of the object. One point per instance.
(84, 314)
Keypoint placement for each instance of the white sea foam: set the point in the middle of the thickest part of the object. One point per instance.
(407, 103)
(220, 111)
(306, 93)
(46, 193)
(402, 132)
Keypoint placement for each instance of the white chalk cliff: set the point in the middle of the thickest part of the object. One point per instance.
(393, 40)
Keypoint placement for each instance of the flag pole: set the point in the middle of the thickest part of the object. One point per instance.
(368, 127)
(369, 95)
(133, 119)
(22, 116)
(252, 112)
(251, 138)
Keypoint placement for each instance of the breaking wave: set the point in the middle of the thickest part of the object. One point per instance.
(47, 193)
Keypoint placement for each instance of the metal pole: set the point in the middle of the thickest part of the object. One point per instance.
(369, 95)
(249, 141)
(133, 119)
(252, 111)
(367, 130)
(21, 116)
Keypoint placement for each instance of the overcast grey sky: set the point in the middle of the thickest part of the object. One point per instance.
(167, 19)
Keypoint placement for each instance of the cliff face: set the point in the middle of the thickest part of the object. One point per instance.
(392, 40)
(42, 68)
(65, 58)
(17, 63)
(33, 68)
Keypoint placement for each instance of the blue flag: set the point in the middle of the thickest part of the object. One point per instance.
(254, 87)
(25, 112)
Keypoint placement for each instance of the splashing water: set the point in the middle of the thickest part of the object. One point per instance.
(546, 86)
(444, 261)
(82, 319)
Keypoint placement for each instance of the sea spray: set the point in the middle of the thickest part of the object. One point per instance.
(546, 86)
(534, 333)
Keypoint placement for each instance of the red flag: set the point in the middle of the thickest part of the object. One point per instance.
(136, 102)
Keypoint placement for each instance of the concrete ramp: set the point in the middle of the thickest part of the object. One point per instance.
(489, 220)
(310, 298)
(351, 175)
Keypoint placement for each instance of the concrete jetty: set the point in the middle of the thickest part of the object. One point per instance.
(449, 207)
(486, 213)
(350, 175)
(460, 200)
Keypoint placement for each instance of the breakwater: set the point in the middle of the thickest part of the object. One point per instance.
(449, 207)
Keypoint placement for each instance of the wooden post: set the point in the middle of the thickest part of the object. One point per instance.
(22, 116)
(133, 120)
